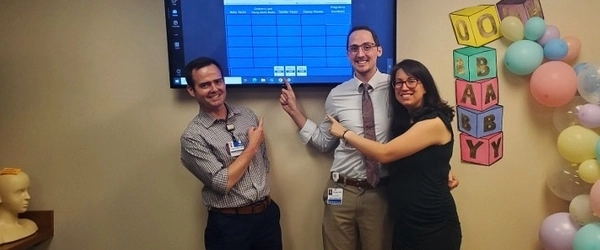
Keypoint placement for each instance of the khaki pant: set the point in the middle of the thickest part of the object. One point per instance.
(361, 222)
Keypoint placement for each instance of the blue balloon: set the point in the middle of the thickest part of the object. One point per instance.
(555, 49)
(587, 237)
(523, 57)
(535, 28)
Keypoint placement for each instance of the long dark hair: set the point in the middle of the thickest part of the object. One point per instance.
(401, 118)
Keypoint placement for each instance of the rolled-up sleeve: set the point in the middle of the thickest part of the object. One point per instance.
(318, 136)
(197, 157)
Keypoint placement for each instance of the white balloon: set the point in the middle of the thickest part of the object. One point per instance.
(581, 211)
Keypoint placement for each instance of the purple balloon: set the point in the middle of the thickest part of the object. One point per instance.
(588, 115)
(558, 231)
(551, 32)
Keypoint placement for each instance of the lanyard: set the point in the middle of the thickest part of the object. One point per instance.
(230, 127)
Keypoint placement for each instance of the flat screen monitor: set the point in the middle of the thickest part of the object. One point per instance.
(260, 42)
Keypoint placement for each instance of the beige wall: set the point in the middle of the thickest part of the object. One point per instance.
(85, 109)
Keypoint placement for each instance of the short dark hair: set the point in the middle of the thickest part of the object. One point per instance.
(198, 63)
(362, 27)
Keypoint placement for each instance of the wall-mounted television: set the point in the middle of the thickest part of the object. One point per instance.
(259, 42)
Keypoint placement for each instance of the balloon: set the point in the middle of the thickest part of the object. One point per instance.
(566, 115)
(564, 182)
(534, 28)
(555, 49)
(580, 210)
(511, 28)
(579, 67)
(574, 48)
(589, 115)
(597, 149)
(523, 57)
(550, 33)
(589, 171)
(553, 83)
(595, 198)
(577, 144)
(587, 237)
(558, 231)
(588, 82)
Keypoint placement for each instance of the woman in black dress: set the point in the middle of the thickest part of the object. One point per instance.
(418, 158)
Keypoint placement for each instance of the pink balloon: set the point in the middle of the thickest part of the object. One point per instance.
(588, 115)
(558, 231)
(574, 47)
(595, 198)
(551, 32)
(553, 83)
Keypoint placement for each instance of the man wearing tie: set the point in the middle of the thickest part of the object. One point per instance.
(355, 207)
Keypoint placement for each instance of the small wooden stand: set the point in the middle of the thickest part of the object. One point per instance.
(45, 222)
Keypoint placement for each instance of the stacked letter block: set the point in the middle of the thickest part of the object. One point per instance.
(479, 115)
(476, 26)
(523, 9)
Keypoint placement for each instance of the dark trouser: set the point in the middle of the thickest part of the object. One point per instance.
(244, 231)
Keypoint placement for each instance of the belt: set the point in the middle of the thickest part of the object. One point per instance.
(254, 208)
(360, 183)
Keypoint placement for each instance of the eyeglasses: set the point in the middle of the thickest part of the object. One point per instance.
(365, 46)
(411, 83)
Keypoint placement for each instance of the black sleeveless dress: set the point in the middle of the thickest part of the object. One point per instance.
(421, 204)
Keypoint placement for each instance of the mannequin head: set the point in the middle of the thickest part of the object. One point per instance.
(14, 194)
(14, 199)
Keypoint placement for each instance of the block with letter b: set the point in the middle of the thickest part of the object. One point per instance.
(476, 26)
(479, 95)
(472, 64)
(523, 9)
(479, 123)
(484, 151)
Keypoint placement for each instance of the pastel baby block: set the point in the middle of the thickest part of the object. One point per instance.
(480, 123)
(476, 26)
(523, 9)
(475, 63)
(479, 95)
(483, 151)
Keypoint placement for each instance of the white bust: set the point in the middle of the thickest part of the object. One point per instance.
(14, 199)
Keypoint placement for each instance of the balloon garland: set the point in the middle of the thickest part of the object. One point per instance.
(538, 51)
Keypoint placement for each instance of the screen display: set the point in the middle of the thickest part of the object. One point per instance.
(259, 42)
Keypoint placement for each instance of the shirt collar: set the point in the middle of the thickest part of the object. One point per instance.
(374, 81)
(207, 120)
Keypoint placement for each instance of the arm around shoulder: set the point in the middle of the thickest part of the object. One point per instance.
(420, 136)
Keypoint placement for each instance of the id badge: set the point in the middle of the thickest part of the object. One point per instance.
(235, 147)
(335, 196)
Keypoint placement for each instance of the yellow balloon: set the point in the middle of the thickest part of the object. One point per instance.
(577, 143)
(589, 171)
(512, 28)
